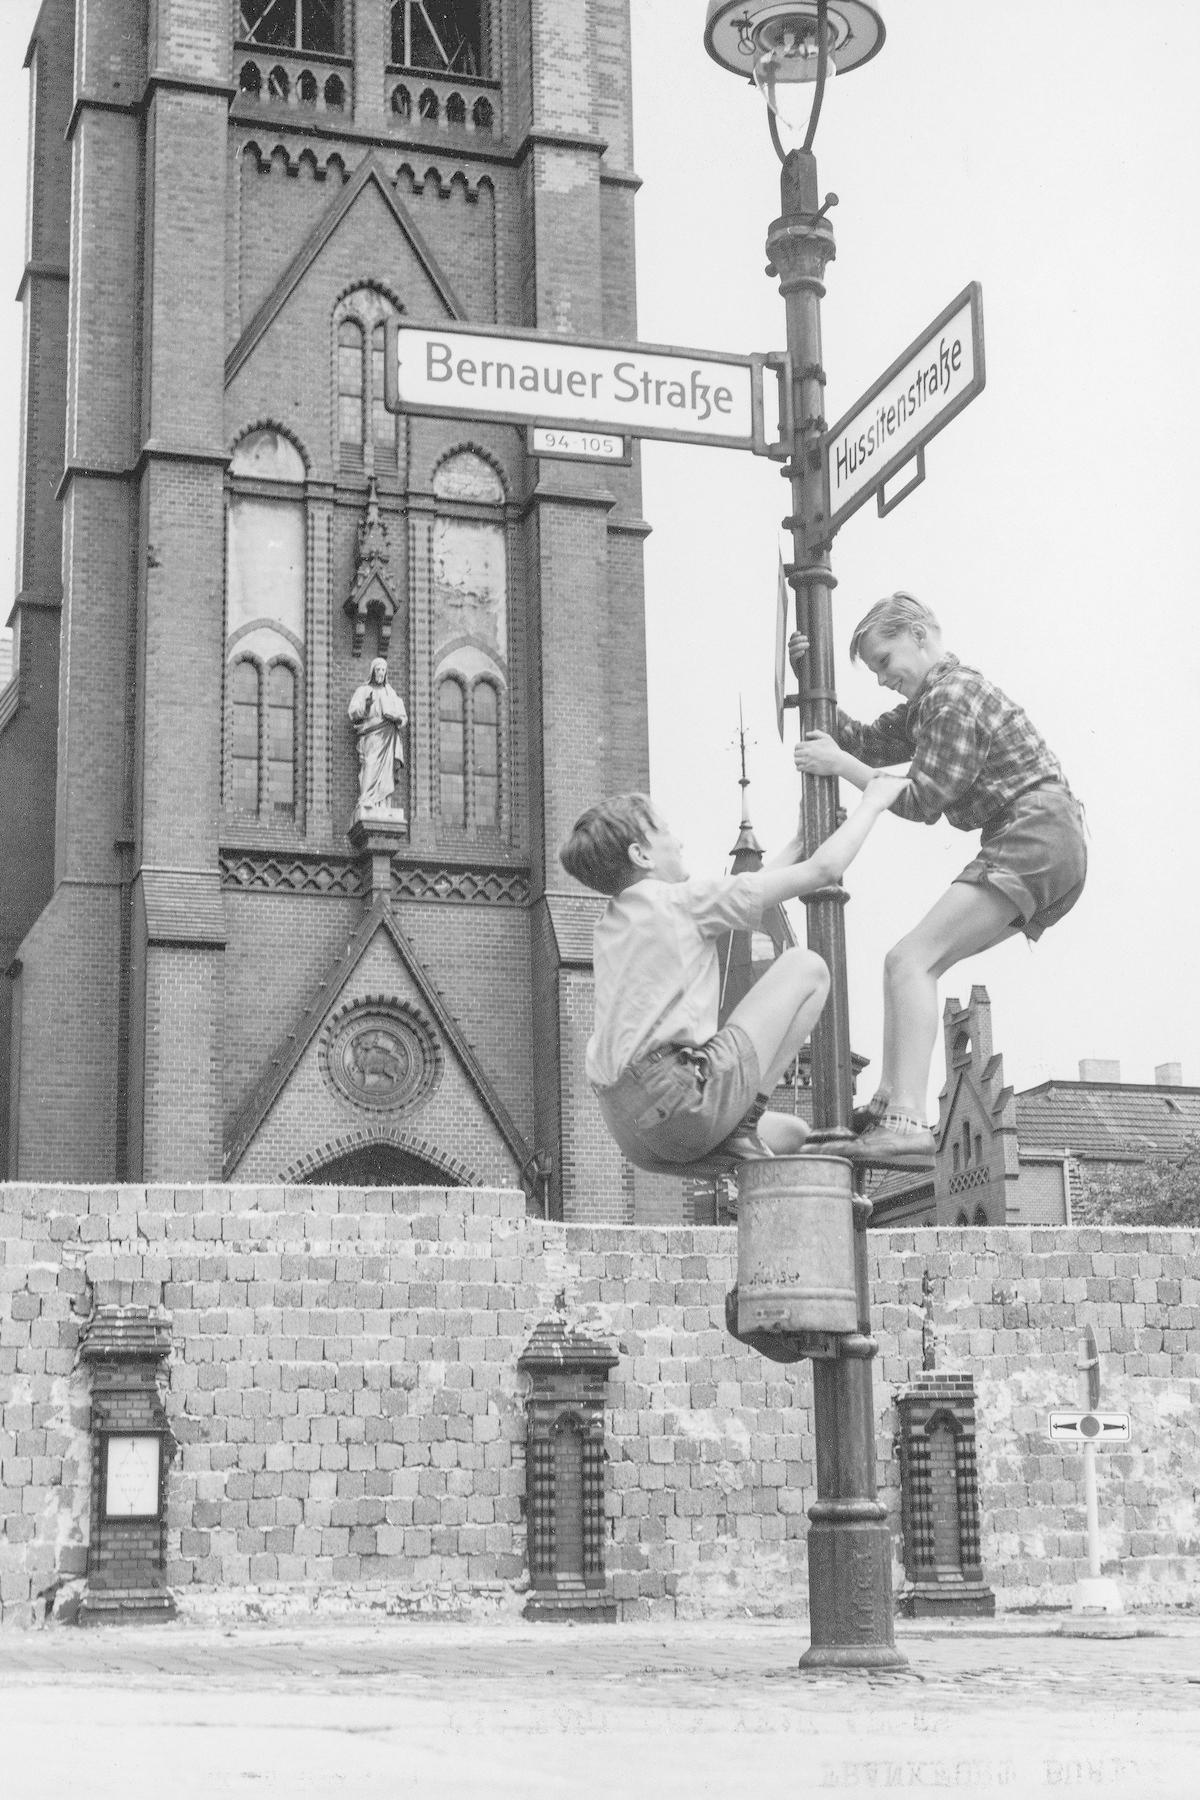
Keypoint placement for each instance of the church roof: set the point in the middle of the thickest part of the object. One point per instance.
(1114, 1120)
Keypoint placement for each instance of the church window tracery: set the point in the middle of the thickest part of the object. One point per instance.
(452, 752)
(485, 753)
(265, 625)
(446, 35)
(244, 686)
(362, 415)
(281, 739)
(350, 383)
(470, 634)
(314, 25)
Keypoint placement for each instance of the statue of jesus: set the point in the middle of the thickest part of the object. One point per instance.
(378, 715)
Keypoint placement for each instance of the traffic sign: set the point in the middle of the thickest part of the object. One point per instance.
(927, 385)
(1090, 1427)
(643, 390)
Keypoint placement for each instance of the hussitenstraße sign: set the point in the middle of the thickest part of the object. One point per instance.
(926, 387)
(643, 390)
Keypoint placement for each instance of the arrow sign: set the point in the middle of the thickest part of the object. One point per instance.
(1090, 1427)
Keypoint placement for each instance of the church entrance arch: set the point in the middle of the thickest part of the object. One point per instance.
(380, 1159)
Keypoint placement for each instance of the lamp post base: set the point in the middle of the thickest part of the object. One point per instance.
(850, 1592)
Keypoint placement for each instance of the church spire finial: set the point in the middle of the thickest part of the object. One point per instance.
(747, 852)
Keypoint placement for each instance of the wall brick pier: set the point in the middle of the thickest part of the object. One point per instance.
(349, 1418)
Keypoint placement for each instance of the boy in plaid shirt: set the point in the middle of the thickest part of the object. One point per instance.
(974, 756)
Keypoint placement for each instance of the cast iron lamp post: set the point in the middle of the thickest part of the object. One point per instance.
(791, 49)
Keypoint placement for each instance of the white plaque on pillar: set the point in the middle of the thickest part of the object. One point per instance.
(132, 1475)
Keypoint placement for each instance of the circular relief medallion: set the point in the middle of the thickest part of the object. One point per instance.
(382, 1056)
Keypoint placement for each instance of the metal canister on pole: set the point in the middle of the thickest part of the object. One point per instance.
(795, 1259)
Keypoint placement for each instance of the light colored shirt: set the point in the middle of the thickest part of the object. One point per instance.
(655, 961)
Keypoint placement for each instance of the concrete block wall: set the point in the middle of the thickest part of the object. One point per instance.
(344, 1393)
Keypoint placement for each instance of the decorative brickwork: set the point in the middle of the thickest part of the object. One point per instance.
(939, 1494)
(124, 1347)
(565, 1459)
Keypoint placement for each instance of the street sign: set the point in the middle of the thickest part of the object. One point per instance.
(643, 390)
(580, 446)
(1090, 1427)
(927, 385)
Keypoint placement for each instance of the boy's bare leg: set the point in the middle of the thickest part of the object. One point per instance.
(780, 1010)
(968, 918)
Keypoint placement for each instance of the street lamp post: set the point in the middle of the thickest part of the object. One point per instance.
(792, 50)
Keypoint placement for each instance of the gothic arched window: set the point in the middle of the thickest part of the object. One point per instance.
(245, 687)
(383, 429)
(452, 752)
(350, 384)
(485, 754)
(281, 739)
(470, 639)
(295, 24)
(364, 424)
(265, 604)
(438, 34)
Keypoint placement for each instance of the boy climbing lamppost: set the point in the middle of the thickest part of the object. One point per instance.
(791, 50)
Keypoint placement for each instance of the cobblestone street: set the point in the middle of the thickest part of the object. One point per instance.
(687, 1710)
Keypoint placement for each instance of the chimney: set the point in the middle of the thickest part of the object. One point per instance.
(1168, 1075)
(1092, 1068)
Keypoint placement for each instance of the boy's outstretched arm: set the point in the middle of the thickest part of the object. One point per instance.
(784, 878)
(819, 754)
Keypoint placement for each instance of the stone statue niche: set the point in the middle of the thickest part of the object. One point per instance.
(379, 717)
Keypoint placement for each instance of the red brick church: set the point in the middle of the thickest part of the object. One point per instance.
(212, 971)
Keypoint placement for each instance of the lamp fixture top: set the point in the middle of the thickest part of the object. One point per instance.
(735, 30)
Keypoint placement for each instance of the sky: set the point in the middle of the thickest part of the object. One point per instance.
(1051, 535)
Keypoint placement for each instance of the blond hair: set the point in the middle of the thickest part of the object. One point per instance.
(896, 613)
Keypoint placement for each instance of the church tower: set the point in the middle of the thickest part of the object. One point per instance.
(220, 964)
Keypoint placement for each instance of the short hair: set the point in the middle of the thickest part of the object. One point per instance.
(597, 851)
(896, 613)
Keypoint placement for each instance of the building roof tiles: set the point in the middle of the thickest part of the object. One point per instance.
(1110, 1120)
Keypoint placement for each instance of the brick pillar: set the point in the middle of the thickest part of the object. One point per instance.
(69, 1084)
(29, 705)
(177, 947)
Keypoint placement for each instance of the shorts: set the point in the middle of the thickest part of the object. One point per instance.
(1033, 852)
(680, 1103)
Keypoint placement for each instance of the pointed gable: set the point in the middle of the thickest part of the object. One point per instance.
(381, 973)
(369, 185)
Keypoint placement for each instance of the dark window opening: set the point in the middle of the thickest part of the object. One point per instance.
(452, 745)
(295, 25)
(245, 737)
(383, 430)
(485, 745)
(438, 34)
(281, 740)
(350, 382)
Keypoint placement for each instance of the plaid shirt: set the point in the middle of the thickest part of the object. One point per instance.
(972, 751)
